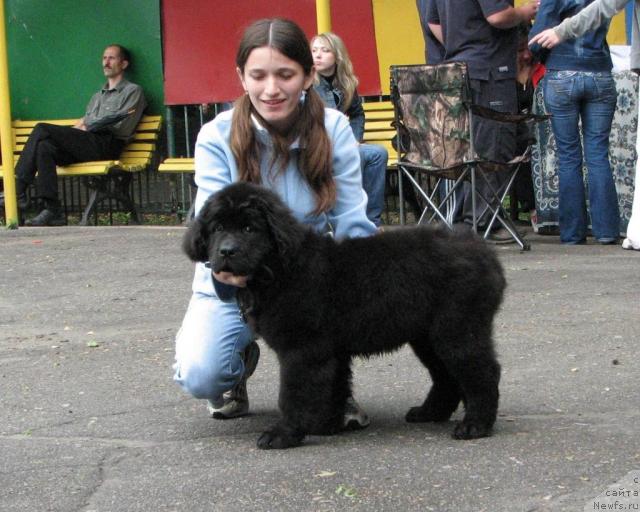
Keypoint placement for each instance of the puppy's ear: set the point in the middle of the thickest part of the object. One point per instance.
(287, 232)
(195, 240)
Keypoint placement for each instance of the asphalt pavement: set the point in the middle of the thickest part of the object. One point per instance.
(90, 419)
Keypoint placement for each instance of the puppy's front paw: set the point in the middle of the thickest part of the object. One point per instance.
(469, 429)
(279, 438)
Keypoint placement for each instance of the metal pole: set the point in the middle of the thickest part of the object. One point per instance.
(6, 137)
(323, 15)
(171, 136)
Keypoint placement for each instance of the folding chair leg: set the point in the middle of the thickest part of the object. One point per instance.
(504, 219)
(473, 200)
(443, 201)
(401, 196)
(500, 195)
(429, 201)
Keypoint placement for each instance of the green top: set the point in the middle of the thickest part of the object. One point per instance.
(117, 110)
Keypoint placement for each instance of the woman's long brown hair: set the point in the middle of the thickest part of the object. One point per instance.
(315, 156)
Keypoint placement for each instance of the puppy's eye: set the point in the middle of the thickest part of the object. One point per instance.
(219, 227)
(247, 229)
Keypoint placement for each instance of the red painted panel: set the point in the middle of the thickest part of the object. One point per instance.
(353, 22)
(200, 39)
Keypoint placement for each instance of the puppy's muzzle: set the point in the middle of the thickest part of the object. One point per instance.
(228, 249)
(226, 254)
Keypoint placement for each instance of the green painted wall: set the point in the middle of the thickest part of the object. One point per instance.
(55, 52)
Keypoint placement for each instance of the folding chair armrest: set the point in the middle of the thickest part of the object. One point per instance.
(506, 117)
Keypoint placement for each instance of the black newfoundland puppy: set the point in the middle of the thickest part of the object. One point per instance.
(318, 302)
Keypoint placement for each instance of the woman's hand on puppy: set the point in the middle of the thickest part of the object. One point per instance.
(232, 279)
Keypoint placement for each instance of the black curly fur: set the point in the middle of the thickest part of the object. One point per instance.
(318, 302)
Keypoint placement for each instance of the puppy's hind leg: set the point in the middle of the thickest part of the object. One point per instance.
(443, 397)
(480, 387)
(477, 373)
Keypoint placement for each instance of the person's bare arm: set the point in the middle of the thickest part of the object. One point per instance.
(436, 30)
(547, 39)
(512, 16)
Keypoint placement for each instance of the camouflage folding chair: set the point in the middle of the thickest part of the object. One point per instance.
(434, 120)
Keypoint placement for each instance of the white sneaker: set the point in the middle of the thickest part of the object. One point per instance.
(354, 416)
(235, 402)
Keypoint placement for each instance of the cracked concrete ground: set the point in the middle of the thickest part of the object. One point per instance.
(90, 419)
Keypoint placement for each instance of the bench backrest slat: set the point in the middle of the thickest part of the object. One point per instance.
(378, 129)
(138, 153)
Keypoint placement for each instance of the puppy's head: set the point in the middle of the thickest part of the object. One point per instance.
(242, 228)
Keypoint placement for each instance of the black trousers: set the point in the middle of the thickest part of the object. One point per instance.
(50, 145)
(492, 140)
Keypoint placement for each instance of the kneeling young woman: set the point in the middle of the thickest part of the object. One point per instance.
(280, 135)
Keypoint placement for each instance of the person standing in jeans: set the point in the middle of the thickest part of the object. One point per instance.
(579, 87)
(588, 19)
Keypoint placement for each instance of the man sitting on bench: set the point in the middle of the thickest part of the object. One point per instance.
(109, 123)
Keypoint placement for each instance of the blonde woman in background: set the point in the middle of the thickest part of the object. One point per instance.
(336, 84)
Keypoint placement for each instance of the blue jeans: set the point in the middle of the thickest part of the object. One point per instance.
(209, 345)
(374, 159)
(572, 96)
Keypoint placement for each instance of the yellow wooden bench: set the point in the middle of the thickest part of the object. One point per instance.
(377, 130)
(378, 116)
(177, 165)
(182, 165)
(106, 179)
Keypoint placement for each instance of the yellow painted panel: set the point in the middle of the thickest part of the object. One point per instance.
(617, 31)
(398, 36)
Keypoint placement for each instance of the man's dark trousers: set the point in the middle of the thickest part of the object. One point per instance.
(494, 141)
(50, 145)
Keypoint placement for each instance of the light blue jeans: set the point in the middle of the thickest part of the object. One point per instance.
(374, 159)
(209, 345)
(570, 97)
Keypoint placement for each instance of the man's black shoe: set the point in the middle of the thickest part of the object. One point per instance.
(23, 201)
(47, 218)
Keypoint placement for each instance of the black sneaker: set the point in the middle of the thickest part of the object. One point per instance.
(23, 201)
(47, 218)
